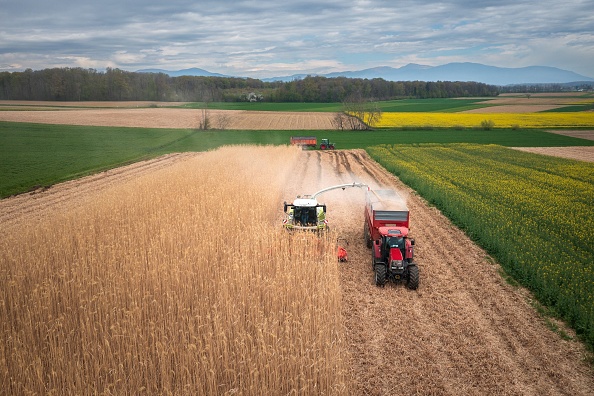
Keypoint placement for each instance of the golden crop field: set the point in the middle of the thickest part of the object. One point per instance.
(500, 120)
(178, 282)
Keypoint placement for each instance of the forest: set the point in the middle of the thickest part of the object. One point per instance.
(79, 84)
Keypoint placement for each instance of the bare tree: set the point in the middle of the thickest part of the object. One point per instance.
(362, 114)
(372, 114)
(204, 117)
(207, 95)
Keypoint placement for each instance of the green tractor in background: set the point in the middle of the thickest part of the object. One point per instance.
(325, 144)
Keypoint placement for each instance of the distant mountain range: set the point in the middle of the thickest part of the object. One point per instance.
(448, 72)
(194, 71)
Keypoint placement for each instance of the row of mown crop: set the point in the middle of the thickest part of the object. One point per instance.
(499, 120)
(533, 213)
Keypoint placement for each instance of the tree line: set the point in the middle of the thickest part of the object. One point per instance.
(546, 87)
(78, 84)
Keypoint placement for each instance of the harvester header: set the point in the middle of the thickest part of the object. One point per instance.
(306, 213)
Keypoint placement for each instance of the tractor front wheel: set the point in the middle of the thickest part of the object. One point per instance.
(380, 275)
(413, 277)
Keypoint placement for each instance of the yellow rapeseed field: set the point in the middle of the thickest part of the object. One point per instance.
(179, 282)
(500, 120)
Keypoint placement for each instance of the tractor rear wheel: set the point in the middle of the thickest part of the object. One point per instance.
(413, 277)
(380, 275)
(322, 147)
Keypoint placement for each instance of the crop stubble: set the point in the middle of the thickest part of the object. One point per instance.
(174, 118)
(580, 153)
(465, 331)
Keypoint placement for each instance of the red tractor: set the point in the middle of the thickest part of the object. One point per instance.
(386, 232)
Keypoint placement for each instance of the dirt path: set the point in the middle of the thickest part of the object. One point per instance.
(464, 331)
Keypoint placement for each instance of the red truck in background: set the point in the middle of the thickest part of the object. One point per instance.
(304, 141)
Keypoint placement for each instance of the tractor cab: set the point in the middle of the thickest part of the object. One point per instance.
(393, 255)
(326, 144)
(305, 214)
(392, 245)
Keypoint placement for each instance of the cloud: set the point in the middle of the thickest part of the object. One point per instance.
(248, 36)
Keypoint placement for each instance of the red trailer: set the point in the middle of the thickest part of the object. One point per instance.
(383, 208)
(304, 141)
(386, 232)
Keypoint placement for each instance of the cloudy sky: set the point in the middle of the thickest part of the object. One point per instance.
(272, 38)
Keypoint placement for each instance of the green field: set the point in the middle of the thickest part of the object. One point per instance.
(432, 105)
(572, 108)
(532, 213)
(42, 155)
(402, 105)
(266, 106)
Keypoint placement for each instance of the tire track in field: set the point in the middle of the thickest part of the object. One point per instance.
(464, 331)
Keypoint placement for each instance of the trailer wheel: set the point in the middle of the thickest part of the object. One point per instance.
(413, 277)
(380, 275)
(367, 235)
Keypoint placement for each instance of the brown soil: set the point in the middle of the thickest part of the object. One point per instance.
(514, 103)
(581, 134)
(464, 331)
(513, 109)
(579, 153)
(174, 118)
(576, 95)
(28, 104)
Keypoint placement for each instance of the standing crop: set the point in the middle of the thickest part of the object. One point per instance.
(179, 282)
(499, 120)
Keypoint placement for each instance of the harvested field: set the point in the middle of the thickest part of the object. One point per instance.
(581, 134)
(514, 103)
(464, 331)
(175, 118)
(545, 94)
(579, 153)
(33, 104)
(513, 108)
(531, 101)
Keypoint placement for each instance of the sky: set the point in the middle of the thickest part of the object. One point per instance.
(278, 38)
